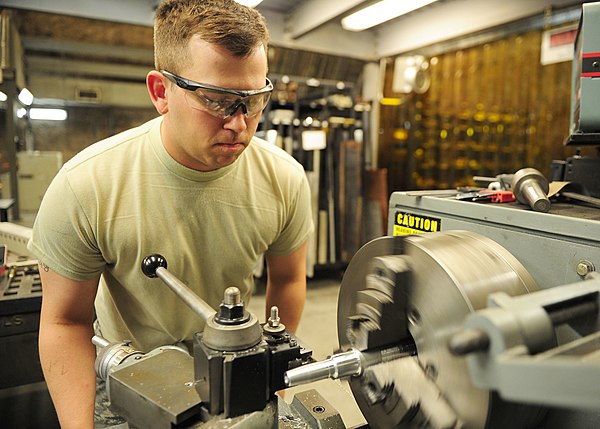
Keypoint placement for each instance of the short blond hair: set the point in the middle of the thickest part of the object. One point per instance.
(225, 23)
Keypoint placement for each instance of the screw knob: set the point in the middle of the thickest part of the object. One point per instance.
(274, 325)
(151, 263)
(274, 319)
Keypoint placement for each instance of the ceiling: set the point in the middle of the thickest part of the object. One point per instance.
(315, 24)
(78, 48)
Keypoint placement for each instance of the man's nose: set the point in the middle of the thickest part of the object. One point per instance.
(237, 121)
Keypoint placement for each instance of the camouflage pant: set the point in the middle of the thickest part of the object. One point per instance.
(104, 418)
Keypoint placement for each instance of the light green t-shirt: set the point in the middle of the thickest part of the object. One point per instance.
(124, 198)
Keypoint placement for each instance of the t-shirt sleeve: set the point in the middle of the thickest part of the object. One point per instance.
(63, 235)
(299, 224)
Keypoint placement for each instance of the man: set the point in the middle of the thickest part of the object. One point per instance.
(193, 185)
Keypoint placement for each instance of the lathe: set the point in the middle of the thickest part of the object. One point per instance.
(467, 315)
(450, 330)
(490, 322)
(437, 330)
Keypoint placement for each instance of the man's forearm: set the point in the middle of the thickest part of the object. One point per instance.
(286, 286)
(289, 298)
(67, 357)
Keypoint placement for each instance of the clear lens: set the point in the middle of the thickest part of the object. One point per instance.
(256, 103)
(219, 104)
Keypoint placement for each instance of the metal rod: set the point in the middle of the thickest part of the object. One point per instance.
(566, 314)
(476, 340)
(469, 341)
(192, 300)
(346, 364)
(99, 341)
(580, 197)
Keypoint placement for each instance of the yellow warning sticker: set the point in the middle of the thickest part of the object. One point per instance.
(409, 223)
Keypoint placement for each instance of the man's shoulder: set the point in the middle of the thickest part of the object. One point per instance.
(109, 148)
(272, 154)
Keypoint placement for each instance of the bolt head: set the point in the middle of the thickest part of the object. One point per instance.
(584, 268)
(231, 314)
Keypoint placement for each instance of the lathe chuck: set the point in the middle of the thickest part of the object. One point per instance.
(420, 288)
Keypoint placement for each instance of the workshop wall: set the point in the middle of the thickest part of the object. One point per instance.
(85, 126)
(490, 109)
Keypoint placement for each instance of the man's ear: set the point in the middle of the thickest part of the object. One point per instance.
(155, 82)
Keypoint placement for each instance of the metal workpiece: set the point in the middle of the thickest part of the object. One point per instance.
(438, 281)
(531, 187)
(346, 364)
(156, 266)
(336, 366)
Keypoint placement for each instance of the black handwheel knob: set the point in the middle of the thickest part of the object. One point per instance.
(151, 263)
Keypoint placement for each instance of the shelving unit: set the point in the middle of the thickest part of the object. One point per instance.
(334, 167)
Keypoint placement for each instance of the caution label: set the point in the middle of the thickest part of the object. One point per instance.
(408, 223)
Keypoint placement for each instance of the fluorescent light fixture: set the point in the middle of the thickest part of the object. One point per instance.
(249, 3)
(381, 12)
(47, 114)
(21, 112)
(3, 96)
(25, 97)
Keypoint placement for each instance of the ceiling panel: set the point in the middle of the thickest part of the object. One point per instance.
(315, 24)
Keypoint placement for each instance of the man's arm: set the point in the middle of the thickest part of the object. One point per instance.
(66, 352)
(286, 286)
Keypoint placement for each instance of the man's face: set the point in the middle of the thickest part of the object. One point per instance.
(196, 138)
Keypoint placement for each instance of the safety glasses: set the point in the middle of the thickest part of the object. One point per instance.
(222, 102)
